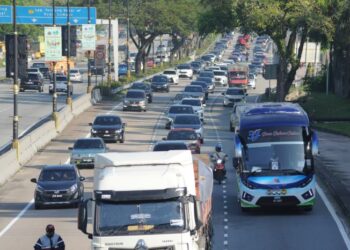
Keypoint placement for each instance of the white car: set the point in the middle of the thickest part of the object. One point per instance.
(252, 80)
(161, 58)
(185, 70)
(172, 74)
(220, 77)
(197, 106)
(61, 85)
(234, 95)
(75, 75)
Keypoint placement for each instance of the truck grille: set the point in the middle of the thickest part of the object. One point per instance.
(283, 201)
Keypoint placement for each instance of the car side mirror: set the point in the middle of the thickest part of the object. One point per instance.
(222, 93)
(246, 94)
(81, 178)
(204, 105)
(33, 180)
(70, 148)
(124, 124)
(164, 138)
(90, 123)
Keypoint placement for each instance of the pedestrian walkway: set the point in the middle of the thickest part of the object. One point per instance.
(334, 168)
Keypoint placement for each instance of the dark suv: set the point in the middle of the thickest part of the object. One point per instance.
(108, 127)
(160, 83)
(33, 81)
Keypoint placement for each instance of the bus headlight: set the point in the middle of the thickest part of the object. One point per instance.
(309, 194)
(247, 197)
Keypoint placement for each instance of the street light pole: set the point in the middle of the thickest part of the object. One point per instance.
(127, 39)
(54, 94)
(109, 43)
(89, 88)
(15, 142)
(69, 84)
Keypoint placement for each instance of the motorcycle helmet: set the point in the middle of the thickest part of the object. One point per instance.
(218, 148)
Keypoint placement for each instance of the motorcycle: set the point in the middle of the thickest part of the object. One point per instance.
(219, 170)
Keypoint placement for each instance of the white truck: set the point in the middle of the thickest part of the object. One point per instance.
(150, 200)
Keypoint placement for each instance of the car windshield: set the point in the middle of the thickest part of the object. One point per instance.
(180, 119)
(33, 77)
(219, 73)
(159, 79)
(192, 102)
(88, 144)
(169, 72)
(33, 70)
(206, 58)
(274, 148)
(181, 110)
(238, 74)
(57, 175)
(193, 88)
(170, 146)
(107, 120)
(234, 92)
(135, 218)
(135, 94)
(184, 67)
(61, 78)
(74, 71)
(195, 65)
(182, 135)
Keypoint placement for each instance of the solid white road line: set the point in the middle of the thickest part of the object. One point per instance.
(334, 215)
(13, 221)
(31, 202)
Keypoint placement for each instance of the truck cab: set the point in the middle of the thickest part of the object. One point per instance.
(158, 200)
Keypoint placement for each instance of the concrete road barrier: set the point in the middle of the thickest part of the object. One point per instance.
(9, 165)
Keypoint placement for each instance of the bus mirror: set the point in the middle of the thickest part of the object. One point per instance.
(314, 144)
(238, 147)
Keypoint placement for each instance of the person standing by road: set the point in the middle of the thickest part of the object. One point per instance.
(50, 240)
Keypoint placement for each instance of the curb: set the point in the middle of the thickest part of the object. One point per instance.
(336, 188)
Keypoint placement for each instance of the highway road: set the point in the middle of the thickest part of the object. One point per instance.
(21, 225)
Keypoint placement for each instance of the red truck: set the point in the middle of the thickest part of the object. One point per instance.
(238, 75)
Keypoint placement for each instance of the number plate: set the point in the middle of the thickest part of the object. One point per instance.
(57, 196)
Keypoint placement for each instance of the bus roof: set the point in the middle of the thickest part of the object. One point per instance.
(274, 114)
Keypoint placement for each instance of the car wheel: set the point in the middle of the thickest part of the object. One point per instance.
(202, 140)
(232, 129)
(167, 90)
(21, 90)
(124, 109)
(122, 139)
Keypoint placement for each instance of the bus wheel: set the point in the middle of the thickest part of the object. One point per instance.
(308, 208)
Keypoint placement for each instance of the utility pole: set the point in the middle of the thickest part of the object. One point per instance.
(89, 87)
(15, 142)
(54, 94)
(69, 84)
(109, 43)
(127, 39)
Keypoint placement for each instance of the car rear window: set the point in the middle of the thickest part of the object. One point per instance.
(88, 144)
(193, 88)
(169, 72)
(57, 175)
(139, 86)
(184, 67)
(170, 146)
(159, 79)
(219, 73)
(180, 110)
(33, 77)
(135, 94)
(61, 78)
(192, 102)
(187, 119)
(182, 135)
(235, 92)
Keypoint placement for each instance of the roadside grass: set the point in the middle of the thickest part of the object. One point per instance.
(341, 128)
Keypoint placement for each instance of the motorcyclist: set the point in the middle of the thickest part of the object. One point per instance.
(219, 154)
(50, 240)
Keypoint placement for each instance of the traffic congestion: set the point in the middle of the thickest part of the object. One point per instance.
(189, 158)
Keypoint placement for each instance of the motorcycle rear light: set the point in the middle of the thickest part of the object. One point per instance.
(247, 197)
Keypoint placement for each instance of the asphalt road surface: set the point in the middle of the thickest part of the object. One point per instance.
(21, 225)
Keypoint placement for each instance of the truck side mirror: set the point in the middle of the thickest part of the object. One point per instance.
(314, 144)
(83, 217)
(238, 147)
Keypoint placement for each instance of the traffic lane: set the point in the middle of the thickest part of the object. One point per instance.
(15, 194)
(273, 229)
(32, 106)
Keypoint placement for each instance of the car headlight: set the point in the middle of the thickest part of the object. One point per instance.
(142, 102)
(126, 101)
(73, 188)
(118, 131)
(39, 189)
(93, 131)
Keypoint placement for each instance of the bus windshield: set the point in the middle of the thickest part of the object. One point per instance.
(274, 149)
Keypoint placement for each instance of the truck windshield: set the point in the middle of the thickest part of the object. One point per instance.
(274, 149)
(138, 218)
(238, 75)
